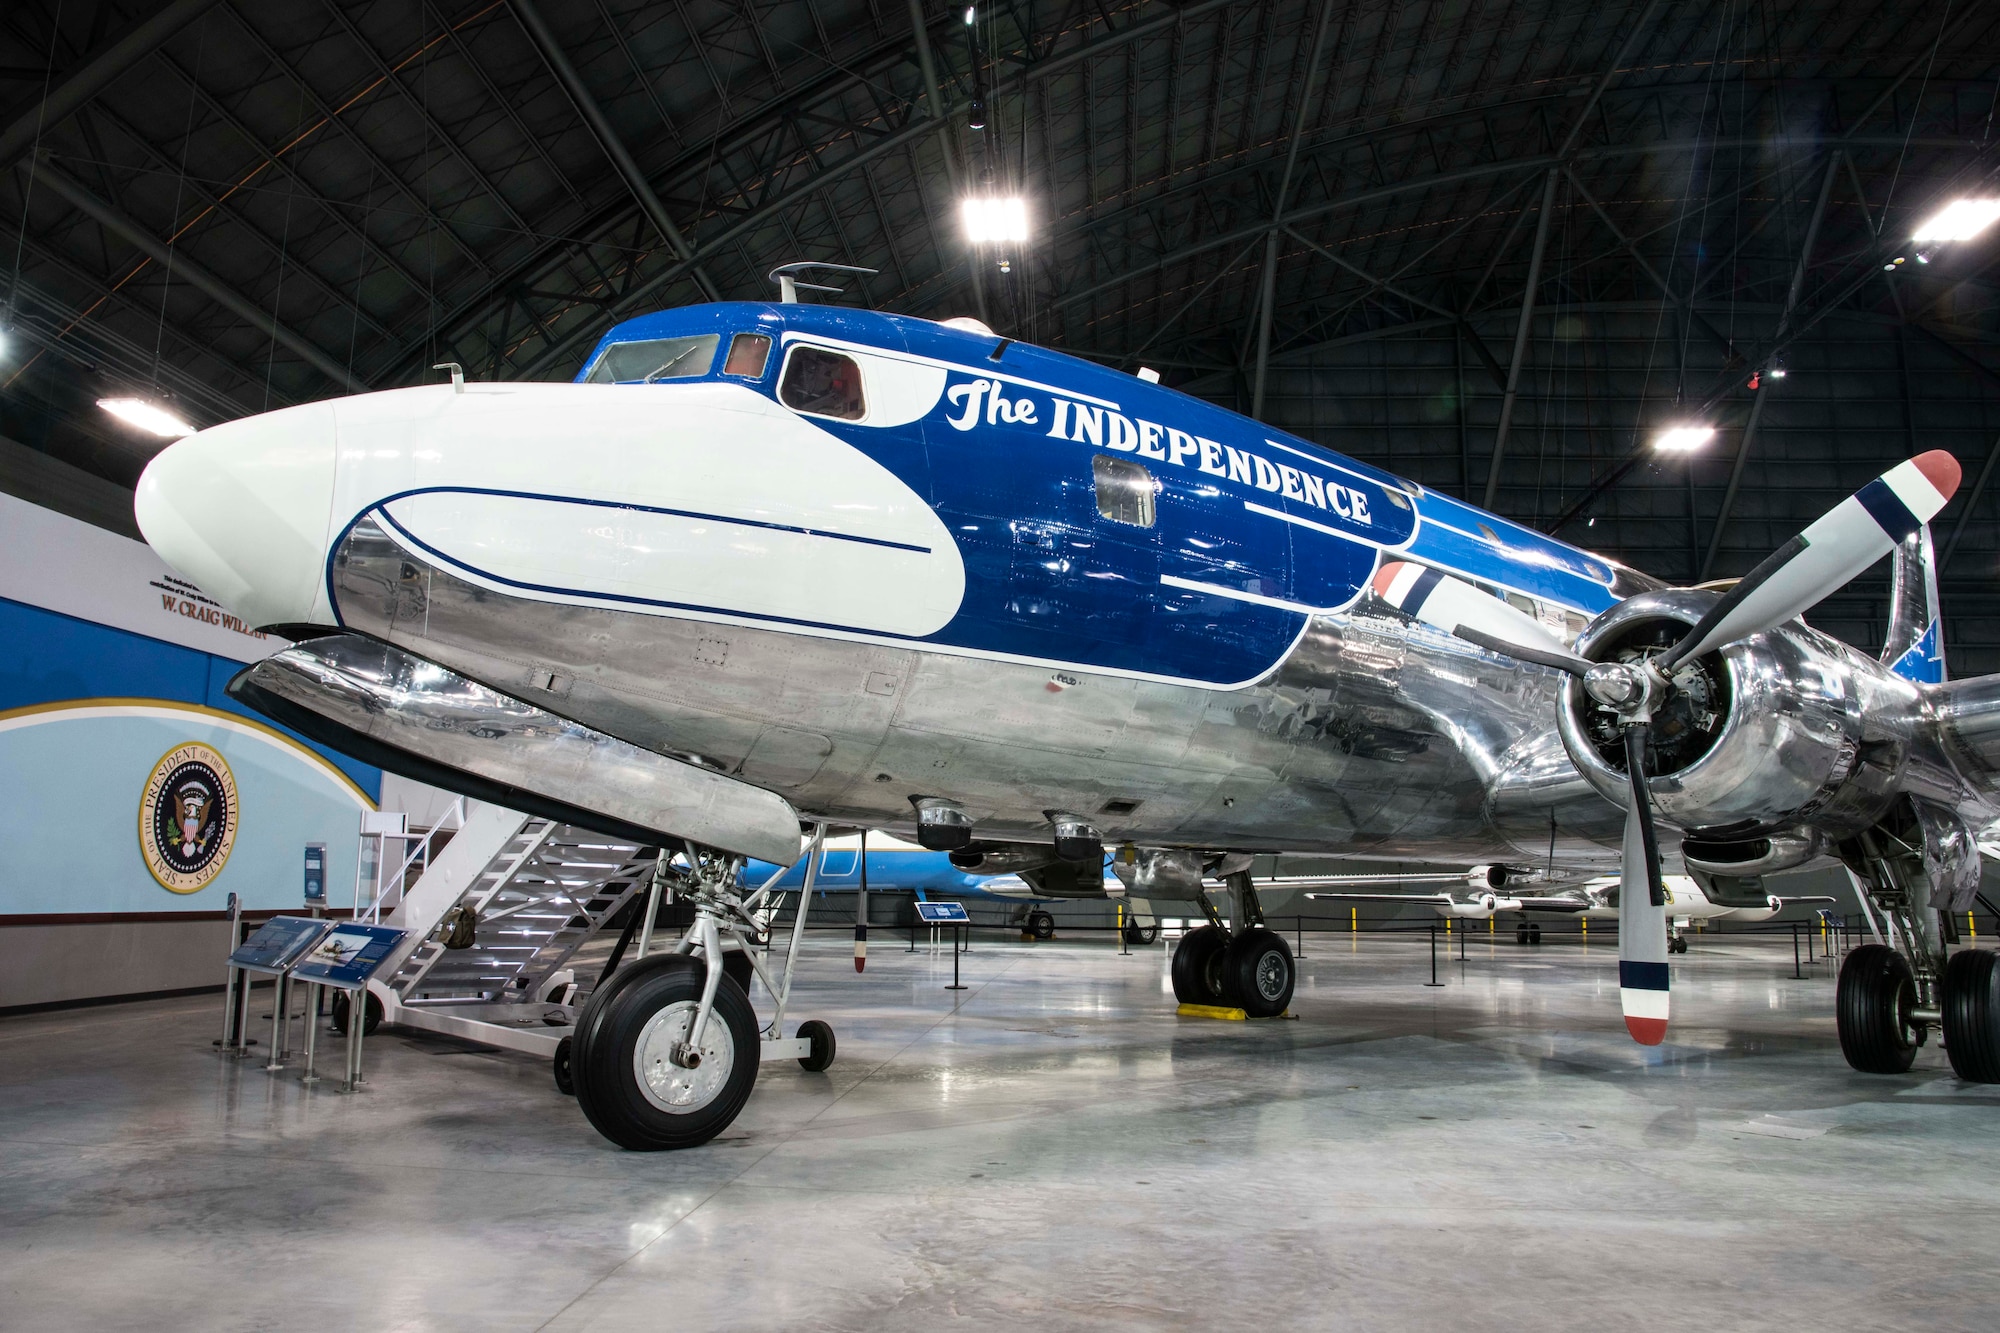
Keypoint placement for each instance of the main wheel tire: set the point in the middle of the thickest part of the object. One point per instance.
(1972, 1015)
(1257, 972)
(821, 1037)
(1197, 966)
(371, 1013)
(565, 1084)
(1872, 1004)
(626, 1083)
(1041, 925)
(1142, 935)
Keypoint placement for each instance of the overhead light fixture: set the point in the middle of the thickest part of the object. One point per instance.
(996, 219)
(971, 13)
(1960, 220)
(1683, 439)
(149, 417)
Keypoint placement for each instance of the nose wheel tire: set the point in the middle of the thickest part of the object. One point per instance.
(737, 967)
(1041, 925)
(1872, 1004)
(1138, 934)
(1257, 972)
(1197, 968)
(371, 1013)
(821, 1037)
(1678, 944)
(628, 1040)
(1972, 1015)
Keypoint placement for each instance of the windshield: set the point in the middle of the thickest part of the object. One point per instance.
(658, 359)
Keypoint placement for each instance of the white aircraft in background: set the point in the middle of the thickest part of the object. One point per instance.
(1594, 900)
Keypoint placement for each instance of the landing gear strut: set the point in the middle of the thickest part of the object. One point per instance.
(1892, 996)
(1251, 970)
(666, 1049)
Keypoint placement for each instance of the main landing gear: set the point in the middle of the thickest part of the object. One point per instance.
(1892, 996)
(1251, 970)
(1528, 932)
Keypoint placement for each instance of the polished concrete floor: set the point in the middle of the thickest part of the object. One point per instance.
(1051, 1148)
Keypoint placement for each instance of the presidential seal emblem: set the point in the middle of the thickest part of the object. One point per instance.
(187, 818)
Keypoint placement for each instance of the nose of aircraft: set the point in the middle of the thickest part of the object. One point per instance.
(242, 510)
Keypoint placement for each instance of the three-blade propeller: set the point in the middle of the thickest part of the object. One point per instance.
(1852, 536)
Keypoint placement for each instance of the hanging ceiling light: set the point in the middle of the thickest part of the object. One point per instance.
(1959, 220)
(149, 417)
(1683, 439)
(999, 218)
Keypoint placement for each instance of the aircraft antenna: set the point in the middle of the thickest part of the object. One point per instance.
(790, 285)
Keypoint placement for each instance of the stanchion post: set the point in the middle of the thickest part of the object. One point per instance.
(1434, 957)
(1298, 936)
(954, 961)
(1796, 974)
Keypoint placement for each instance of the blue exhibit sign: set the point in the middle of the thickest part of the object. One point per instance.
(943, 914)
(315, 874)
(348, 954)
(277, 943)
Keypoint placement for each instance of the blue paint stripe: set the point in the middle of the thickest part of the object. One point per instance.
(1420, 591)
(453, 562)
(656, 509)
(1888, 510)
(1642, 976)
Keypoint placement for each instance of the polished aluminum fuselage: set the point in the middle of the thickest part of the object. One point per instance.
(1375, 737)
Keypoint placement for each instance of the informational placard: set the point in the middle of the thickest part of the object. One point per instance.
(348, 954)
(315, 874)
(943, 914)
(277, 943)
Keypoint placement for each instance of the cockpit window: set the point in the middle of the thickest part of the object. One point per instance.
(747, 354)
(1125, 490)
(656, 359)
(824, 383)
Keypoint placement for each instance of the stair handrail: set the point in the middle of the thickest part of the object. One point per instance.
(419, 847)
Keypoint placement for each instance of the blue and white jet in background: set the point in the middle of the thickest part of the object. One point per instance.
(765, 565)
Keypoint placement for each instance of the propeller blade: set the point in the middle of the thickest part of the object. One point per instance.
(1848, 538)
(1456, 607)
(1642, 908)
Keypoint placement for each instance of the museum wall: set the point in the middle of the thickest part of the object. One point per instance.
(138, 797)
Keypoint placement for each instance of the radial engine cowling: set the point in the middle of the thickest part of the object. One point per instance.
(1782, 730)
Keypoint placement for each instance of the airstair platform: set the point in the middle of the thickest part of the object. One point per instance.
(537, 891)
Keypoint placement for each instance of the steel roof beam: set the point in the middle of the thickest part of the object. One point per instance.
(195, 275)
(97, 73)
(552, 53)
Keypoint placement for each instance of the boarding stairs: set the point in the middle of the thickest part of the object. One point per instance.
(539, 890)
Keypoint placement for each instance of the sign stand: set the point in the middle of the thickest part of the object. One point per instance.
(345, 958)
(270, 952)
(313, 993)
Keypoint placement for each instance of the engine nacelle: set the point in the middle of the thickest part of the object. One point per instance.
(1782, 731)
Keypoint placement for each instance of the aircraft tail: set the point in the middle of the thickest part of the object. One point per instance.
(1913, 647)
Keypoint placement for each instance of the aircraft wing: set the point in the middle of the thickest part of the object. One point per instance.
(1429, 899)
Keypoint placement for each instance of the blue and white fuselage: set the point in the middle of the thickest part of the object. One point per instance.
(854, 559)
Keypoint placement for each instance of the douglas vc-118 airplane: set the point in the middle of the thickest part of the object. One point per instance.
(770, 564)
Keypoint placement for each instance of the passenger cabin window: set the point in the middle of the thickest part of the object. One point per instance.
(655, 359)
(1125, 490)
(747, 354)
(823, 383)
